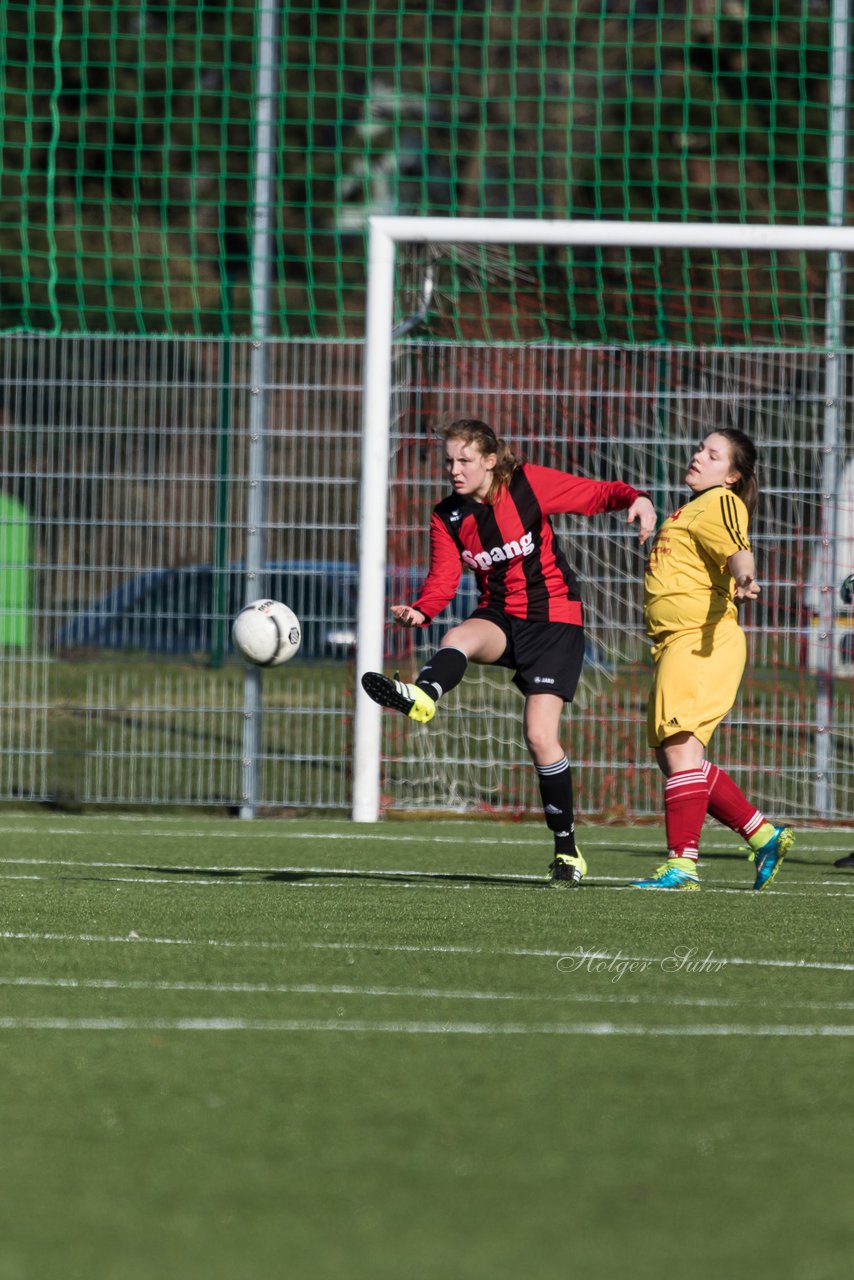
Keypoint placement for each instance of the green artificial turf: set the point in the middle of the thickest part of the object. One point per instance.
(318, 1049)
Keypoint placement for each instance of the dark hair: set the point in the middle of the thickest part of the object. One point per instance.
(742, 453)
(478, 433)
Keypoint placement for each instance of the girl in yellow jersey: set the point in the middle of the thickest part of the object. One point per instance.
(700, 565)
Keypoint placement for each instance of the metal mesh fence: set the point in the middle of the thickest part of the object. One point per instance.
(128, 143)
(129, 203)
(125, 485)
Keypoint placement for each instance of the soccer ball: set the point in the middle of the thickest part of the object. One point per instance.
(846, 591)
(266, 632)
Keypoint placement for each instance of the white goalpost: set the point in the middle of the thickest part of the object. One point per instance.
(386, 235)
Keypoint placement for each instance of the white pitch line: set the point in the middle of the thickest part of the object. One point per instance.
(364, 1026)
(547, 954)
(588, 955)
(401, 884)
(320, 836)
(581, 954)
(428, 879)
(398, 837)
(417, 993)
(266, 988)
(197, 882)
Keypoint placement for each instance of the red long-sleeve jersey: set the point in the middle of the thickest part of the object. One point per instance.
(519, 565)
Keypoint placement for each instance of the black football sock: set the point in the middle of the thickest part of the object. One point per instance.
(442, 673)
(556, 790)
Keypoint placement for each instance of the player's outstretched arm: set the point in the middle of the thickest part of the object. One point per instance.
(405, 616)
(643, 511)
(742, 566)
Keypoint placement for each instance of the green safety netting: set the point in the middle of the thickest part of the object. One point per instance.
(128, 150)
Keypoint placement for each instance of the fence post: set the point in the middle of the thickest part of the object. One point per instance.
(262, 236)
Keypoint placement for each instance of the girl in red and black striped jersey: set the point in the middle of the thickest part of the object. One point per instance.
(529, 614)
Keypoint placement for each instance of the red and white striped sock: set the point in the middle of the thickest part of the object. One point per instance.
(686, 799)
(727, 804)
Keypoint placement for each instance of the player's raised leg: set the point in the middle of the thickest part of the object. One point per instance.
(399, 695)
(476, 640)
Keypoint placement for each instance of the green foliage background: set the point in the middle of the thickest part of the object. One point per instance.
(127, 153)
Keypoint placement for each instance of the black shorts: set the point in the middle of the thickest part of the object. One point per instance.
(546, 656)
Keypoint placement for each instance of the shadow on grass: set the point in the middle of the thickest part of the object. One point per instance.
(296, 875)
(651, 854)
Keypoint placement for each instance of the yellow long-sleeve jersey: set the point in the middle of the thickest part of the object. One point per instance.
(687, 582)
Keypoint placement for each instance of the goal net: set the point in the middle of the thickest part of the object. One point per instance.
(622, 391)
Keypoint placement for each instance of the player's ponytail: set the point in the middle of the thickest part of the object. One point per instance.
(478, 433)
(742, 454)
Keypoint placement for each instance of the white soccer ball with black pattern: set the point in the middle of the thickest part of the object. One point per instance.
(266, 633)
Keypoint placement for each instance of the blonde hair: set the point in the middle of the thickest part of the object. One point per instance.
(473, 431)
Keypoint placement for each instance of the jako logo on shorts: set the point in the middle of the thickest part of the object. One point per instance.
(509, 551)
